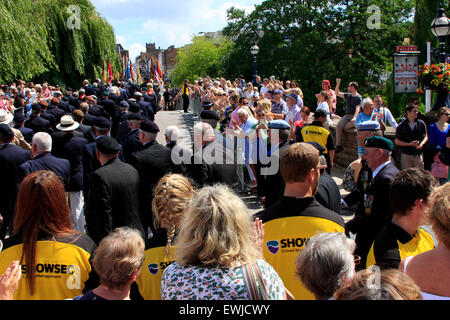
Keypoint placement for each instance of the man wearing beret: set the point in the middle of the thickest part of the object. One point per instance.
(273, 183)
(375, 211)
(152, 162)
(130, 141)
(146, 106)
(36, 122)
(19, 120)
(113, 198)
(109, 106)
(11, 157)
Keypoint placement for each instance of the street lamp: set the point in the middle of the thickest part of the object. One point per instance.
(254, 51)
(441, 28)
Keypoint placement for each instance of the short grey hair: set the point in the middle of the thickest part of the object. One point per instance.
(325, 262)
(242, 112)
(42, 141)
(366, 101)
(173, 133)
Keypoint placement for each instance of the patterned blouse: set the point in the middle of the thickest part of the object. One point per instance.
(220, 283)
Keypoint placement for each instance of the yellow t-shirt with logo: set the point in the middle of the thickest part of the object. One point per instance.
(288, 226)
(62, 266)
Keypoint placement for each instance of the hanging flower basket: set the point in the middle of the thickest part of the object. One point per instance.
(435, 77)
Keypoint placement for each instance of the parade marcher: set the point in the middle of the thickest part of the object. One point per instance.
(36, 122)
(113, 200)
(429, 269)
(402, 237)
(172, 198)
(54, 257)
(44, 160)
(411, 135)
(85, 130)
(146, 107)
(152, 162)
(290, 223)
(371, 217)
(19, 120)
(66, 145)
(216, 250)
(353, 101)
(118, 262)
(11, 157)
(130, 142)
(273, 183)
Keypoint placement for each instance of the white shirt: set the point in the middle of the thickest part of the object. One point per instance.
(324, 106)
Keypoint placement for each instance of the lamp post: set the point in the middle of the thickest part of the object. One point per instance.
(254, 51)
(440, 27)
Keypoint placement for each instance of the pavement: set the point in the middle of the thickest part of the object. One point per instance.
(185, 122)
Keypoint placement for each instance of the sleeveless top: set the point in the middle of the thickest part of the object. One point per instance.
(425, 295)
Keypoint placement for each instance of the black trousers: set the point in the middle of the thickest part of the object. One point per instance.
(185, 103)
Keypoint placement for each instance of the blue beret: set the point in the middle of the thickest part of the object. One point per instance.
(149, 126)
(102, 122)
(279, 124)
(135, 116)
(19, 117)
(368, 126)
(124, 104)
(107, 145)
(209, 114)
(6, 131)
(379, 142)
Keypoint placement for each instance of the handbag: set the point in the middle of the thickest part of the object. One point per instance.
(438, 169)
(254, 282)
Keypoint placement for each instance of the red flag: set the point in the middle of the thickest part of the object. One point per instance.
(110, 73)
(158, 69)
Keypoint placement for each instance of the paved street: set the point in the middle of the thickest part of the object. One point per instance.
(186, 122)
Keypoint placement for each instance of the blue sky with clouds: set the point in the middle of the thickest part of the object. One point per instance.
(165, 22)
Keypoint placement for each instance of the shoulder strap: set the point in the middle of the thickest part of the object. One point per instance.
(254, 282)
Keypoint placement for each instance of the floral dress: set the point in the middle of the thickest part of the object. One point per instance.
(219, 283)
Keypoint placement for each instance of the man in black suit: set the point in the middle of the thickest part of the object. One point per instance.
(19, 120)
(113, 198)
(150, 97)
(36, 122)
(121, 126)
(64, 104)
(73, 101)
(375, 211)
(88, 119)
(55, 110)
(85, 130)
(109, 106)
(43, 160)
(68, 146)
(152, 163)
(11, 157)
(130, 141)
(145, 106)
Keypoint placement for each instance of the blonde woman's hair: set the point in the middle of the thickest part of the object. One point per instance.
(265, 105)
(371, 284)
(118, 256)
(171, 199)
(439, 213)
(216, 231)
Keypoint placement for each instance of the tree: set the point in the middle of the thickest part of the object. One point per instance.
(202, 57)
(60, 41)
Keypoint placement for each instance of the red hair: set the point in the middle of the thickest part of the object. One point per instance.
(41, 206)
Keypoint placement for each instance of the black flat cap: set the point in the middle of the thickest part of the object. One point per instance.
(207, 104)
(149, 126)
(108, 145)
(6, 131)
(36, 107)
(102, 122)
(209, 114)
(124, 104)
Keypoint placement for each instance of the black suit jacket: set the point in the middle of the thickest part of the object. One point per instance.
(113, 200)
(45, 161)
(86, 131)
(147, 110)
(70, 147)
(26, 132)
(39, 124)
(131, 143)
(152, 163)
(11, 157)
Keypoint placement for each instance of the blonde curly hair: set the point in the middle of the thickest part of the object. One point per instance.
(172, 197)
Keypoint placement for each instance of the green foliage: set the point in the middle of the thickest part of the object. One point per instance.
(202, 57)
(37, 43)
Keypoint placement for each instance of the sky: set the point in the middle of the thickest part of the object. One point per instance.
(165, 22)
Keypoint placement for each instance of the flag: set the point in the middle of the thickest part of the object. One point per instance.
(158, 69)
(138, 72)
(152, 66)
(110, 73)
(128, 71)
(132, 74)
(104, 72)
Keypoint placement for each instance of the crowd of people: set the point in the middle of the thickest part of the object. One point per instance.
(94, 208)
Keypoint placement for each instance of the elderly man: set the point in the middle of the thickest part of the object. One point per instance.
(279, 106)
(370, 217)
(294, 110)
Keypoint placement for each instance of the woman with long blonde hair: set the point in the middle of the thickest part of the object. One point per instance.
(172, 198)
(217, 253)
